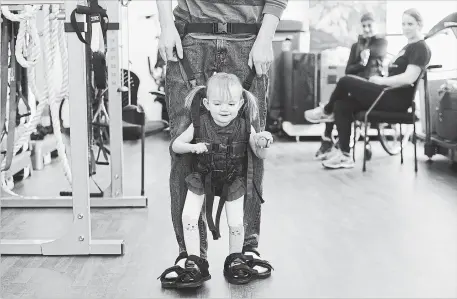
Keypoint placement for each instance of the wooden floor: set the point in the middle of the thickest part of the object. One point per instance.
(385, 233)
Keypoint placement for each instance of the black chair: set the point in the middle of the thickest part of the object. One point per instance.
(371, 116)
(134, 86)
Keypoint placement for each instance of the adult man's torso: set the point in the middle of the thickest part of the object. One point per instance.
(215, 11)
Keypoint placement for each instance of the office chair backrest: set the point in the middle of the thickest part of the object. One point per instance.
(134, 86)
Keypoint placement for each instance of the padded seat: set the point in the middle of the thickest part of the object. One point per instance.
(386, 117)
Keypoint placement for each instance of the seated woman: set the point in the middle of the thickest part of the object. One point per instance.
(365, 60)
(353, 94)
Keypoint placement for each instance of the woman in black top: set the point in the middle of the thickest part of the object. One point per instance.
(353, 94)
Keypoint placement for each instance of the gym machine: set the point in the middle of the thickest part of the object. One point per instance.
(77, 240)
(436, 143)
(113, 196)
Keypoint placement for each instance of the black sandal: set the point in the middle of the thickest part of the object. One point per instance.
(170, 283)
(252, 262)
(236, 270)
(191, 276)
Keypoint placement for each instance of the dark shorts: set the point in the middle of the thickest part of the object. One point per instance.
(236, 190)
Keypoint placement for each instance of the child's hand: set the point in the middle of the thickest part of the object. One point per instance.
(199, 148)
(263, 139)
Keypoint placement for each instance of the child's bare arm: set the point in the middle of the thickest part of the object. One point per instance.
(183, 145)
(254, 142)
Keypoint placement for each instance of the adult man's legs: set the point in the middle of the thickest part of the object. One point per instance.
(200, 55)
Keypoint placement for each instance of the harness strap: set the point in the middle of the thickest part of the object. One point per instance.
(209, 201)
(97, 14)
(195, 112)
(222, 201)
(13, 103)
(249, 79)
(222, 28)
(4, 70)
(236, 149)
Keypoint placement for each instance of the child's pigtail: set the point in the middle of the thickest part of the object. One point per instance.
(190, 97)
(251, 101)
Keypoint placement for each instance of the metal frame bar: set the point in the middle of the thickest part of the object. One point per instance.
(115, 98)
(78, 240)
(114, 194)
(31, 2)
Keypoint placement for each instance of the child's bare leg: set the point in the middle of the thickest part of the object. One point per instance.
(190, 215)
(235, 213)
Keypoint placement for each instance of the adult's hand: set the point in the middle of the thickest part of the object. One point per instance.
(170, 40)
(261, 55)
(364, 55)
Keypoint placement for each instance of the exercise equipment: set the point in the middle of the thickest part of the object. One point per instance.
(446, 124)
(113, 195)
(434, 143)
(26, 33)
(78, 239)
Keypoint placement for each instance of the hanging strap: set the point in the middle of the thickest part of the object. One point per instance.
(96, 13)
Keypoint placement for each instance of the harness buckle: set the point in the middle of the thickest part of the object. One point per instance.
(220, 28)
(222, 147)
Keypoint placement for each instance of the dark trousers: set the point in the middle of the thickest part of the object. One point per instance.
(353, 94)
(205, 57)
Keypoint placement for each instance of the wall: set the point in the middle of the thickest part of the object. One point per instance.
(337, 23)
(440, 55)
(139, 37)
(299, 11)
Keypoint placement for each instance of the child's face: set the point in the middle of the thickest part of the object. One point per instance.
(224, 111)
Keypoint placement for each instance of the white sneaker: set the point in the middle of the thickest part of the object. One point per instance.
(329, 155)
(339, 160)
(318, 115)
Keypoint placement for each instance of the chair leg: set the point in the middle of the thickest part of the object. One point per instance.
(353, 148)
(415, 146)
(401, 145)
(365, 139)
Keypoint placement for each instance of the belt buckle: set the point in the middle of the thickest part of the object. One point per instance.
(222, 28)
(223, 147)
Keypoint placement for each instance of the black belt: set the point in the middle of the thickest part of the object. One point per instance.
(222, 28)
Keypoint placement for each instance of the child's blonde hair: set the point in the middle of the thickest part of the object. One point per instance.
(225, 86)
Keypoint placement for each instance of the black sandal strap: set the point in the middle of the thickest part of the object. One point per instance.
(177, 269)
(232, 257)
(192, 274)
(201, 263)
(182, 255)
(262, 263)
(250, 249)
(239, 271)
(252, 262)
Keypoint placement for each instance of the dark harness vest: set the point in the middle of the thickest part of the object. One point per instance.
(225, 161)
(211, 164)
